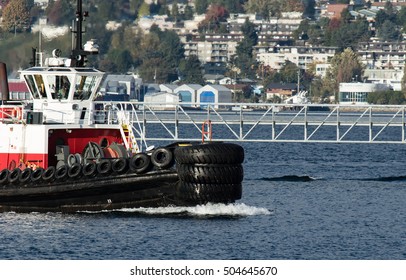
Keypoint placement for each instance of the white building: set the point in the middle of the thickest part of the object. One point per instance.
(391, 77)
(168, 88)
(213, 94)
(357, 93)
(302, 56)
(188, 94)
(161, 100)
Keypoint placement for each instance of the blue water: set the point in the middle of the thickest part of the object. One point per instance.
(300, 201)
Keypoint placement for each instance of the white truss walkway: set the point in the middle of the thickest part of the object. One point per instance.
(266, 122)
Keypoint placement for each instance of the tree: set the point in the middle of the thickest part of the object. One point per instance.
(386, 97)
(345, 67)
(265, 8)
(201, 6)
(16, 16)
(309, 8)
(214, 16)
(244, 59)
(143, 10)
(388, 31)
(60, 12)
(172, 50)
(191, 70)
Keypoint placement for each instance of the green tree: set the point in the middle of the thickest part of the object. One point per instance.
(386, 97)
(201, 6)
(191, 70)
(244, 59)
(265, 8)
(143, 10)
(16, 16)
(172, 51)
(388, 31)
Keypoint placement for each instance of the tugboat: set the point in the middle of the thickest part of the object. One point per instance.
(59, 152)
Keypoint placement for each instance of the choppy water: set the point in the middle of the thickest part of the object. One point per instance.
(300, 201)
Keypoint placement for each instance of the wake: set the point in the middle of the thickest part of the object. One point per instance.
(210, 209)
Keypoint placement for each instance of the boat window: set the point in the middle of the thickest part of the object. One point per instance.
(40, 85)
(31, 84)
(59, 86)
(84, 87)
(36, 85)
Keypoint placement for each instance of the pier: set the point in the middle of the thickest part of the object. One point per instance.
(260, 122)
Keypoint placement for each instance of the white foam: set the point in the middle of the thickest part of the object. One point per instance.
(237, 209)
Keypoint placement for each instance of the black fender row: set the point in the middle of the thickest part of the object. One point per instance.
(140, 163)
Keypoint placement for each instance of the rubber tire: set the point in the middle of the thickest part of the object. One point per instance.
(25, 176)
(75, 171)
(36, 175)
(140, 163)
(49, 174)
(209, 193)
(14, 175)
(4, 176)
(61, 173)
(162, 158)
(104, 167)
(89, 169)
(119, 165)
(210, 153)
(211, 173)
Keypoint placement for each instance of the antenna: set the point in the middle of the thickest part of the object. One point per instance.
(78, 54)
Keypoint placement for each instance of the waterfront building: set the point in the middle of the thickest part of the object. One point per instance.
(357, 93)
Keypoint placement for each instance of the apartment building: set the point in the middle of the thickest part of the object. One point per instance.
(302, 56)
(222, 47)
(211, 47)
(383, 55)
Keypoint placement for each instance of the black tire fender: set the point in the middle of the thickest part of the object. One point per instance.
(211, 173)
(14, 175)
(205, 193)
(61, 173)
(89, 169)
(4, 176)
(75, 171)
(25, 175)
(104, 167)
(210, 153)
(36, 175)
(162, 158)
(140, 163)
(119, 165)
(49, 174)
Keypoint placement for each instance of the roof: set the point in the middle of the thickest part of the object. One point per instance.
(17, 87)
(334, 10)
(189, 86)
(288, 86)
(216, 87)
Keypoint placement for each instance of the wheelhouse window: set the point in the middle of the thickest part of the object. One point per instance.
(36, 85)
(59, 86)
(84, 87)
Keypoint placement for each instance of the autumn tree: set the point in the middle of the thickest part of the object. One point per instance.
(215, 15)
(345, 67)
(16, 16)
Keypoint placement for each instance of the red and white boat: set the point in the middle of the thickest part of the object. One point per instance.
(59, 152)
